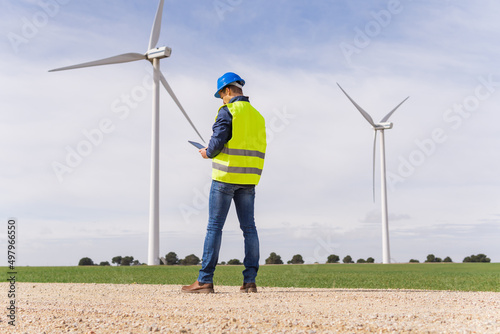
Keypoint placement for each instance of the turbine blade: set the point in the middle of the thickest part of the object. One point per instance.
(392, 111)
(155, 31)
(373, 176)
(170, 91)
(123, 58)
(364, 113)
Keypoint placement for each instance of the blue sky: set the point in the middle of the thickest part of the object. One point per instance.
(315, 196)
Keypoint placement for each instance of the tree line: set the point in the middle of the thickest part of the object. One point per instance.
(172, 259)
(169, 259)
(297, 259)
(118, 260)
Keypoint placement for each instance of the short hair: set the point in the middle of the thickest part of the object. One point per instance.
(235, 89)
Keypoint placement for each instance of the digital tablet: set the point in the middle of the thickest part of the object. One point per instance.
(195, 144)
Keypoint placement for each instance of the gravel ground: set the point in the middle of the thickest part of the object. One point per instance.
(135, 308)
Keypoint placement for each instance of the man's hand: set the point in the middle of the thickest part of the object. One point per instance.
(203, 152)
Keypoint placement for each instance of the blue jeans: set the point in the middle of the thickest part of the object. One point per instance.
(221, 195)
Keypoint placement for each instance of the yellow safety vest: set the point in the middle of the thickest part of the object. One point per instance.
(242, 158)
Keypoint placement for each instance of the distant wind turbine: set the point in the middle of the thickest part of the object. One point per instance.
(153, 55)
(381, 126)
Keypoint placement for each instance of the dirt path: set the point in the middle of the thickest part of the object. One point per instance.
(108, 308)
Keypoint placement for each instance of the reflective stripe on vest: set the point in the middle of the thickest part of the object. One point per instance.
(242, 159)
(247, 153)
(241, 170)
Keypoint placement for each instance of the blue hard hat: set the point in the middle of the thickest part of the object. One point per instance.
(226, 80)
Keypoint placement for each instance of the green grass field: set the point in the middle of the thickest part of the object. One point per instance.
(435, 276)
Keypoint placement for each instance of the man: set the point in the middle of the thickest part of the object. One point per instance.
(237, 149)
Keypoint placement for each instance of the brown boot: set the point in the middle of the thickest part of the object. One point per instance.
(198, 287)
(248, 287)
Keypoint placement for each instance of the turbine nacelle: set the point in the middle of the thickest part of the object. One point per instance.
(159, 53)
(383, 126)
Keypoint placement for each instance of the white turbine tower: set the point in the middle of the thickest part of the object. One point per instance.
(380, 126)
(153, 55)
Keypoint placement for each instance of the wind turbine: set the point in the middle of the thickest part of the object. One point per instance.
(153, 55)
(380, 126)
